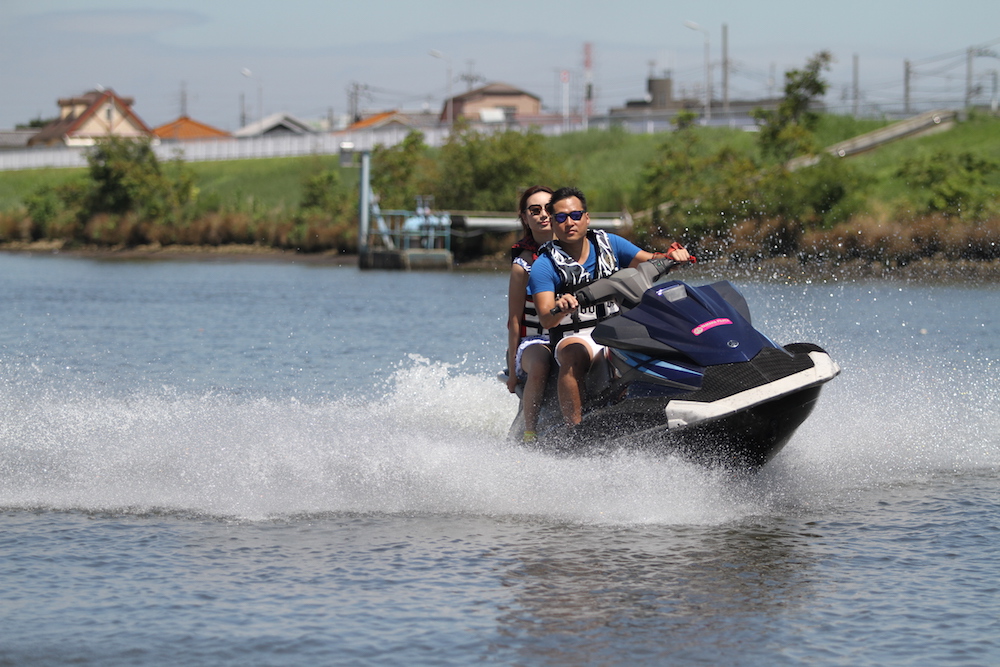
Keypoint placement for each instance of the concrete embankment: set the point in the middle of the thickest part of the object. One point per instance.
(923, 124)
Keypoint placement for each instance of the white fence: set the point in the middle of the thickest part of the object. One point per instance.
(231, 148)
(226, 149)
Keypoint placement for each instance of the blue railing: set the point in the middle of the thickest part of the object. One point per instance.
(409, 230)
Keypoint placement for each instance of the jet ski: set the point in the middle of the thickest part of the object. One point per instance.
(685, 372)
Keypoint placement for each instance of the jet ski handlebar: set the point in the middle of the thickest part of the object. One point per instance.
(625, 286)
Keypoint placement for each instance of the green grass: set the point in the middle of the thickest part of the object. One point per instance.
(979, 135)
(607, 165)
(833, 129)
(266, 183)
(16, 185)
(269, 183)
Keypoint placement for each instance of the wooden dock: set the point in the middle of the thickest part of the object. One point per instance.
(414, 259)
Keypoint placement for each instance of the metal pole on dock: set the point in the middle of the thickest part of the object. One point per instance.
(364, 201)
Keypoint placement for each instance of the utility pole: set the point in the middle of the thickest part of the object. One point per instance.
(971, 90)
(708, 69)
(354, 93)
(993, 99)
(725, 70)
(564, 78)
(470, 77)
(449, 101)
(352, 102)
(968, 76)
(907, 70)
(588, 83)
(855, 91)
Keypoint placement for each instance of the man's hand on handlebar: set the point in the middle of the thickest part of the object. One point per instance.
(679, 254)
(567, 303)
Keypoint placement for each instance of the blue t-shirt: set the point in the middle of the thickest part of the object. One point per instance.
(545, 278)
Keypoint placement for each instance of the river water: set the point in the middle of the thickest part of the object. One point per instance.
(279, 464)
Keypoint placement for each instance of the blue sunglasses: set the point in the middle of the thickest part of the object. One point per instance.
(561, 217)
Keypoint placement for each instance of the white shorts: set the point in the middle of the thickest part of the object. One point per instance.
(522, 346)
(584, 338)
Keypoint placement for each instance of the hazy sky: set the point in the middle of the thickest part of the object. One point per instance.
(303, 55)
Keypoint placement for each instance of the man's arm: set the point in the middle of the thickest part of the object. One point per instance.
(678, 254)
(546, 301)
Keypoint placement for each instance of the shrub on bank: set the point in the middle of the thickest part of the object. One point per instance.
(711, 188)
(901, 242)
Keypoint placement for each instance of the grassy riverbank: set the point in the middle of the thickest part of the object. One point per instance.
(928, 197)
(607, 165)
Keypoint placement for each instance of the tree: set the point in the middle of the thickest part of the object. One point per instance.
(684, 119)
(320, 191)
(127, 177)
(788, 130)
(399, 172)
(35, 123)
(484, 171)
(693, 189)
(954, 184)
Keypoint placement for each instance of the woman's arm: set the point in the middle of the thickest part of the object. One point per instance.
(515, 313)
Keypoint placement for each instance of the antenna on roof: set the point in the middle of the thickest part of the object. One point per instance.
(471, 77)
(100, 88)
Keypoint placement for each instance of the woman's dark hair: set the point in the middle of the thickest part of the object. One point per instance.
(522, 206)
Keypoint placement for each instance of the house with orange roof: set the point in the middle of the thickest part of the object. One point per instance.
(86, 118)
(386, 119)
(188, 129)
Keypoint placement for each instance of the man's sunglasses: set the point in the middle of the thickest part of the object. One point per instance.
(535, 209)
(561, 217)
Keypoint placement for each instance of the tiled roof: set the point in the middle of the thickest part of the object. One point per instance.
(59, 129)
(280, 121)
(185, 128)
(493, 89)
(380, 119)
(16, 138)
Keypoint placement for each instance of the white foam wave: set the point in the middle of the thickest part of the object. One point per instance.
(435, 443)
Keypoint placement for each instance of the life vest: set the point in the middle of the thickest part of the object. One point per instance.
(572, 277)
(527, 243)
(530, 324)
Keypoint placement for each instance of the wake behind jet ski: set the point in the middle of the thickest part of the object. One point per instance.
(685, 371)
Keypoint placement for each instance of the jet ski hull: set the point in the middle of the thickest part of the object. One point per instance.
(744, 427)
(748, 438)
(684, 371)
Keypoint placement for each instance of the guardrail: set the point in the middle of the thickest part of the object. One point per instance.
(406, 230)
(925, 123)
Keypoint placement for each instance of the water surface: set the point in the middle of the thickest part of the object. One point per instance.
(281, 464)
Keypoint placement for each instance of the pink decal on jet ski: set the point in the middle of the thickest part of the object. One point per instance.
(711, 324)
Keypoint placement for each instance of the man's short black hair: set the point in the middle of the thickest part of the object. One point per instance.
(566, 193)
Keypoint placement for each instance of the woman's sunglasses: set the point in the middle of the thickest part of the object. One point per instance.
(561, 217)
(535, 209)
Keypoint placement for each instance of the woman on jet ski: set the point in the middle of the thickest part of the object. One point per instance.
(528, 353)
(576, 257)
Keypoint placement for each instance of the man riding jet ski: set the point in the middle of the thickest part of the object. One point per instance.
(671, 366)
